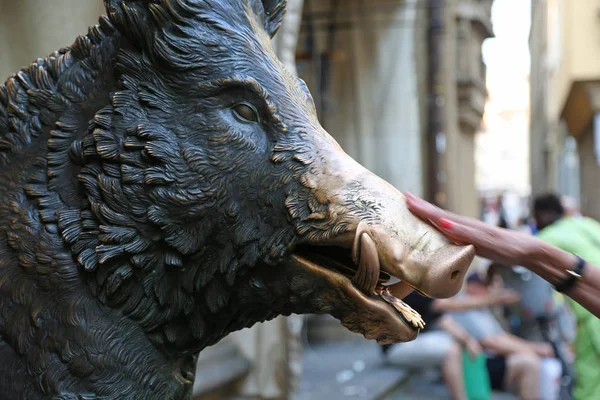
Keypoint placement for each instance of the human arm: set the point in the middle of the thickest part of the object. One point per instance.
(552, 264)
(460, 335)
(514, 248)
(457, 304)
(505, 344)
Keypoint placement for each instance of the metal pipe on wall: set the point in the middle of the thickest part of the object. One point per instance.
(436, 137)
(325, 79)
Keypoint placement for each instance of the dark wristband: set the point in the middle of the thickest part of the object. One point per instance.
(573, 278)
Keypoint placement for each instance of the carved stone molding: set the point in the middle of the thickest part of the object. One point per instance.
(582, 102)
(473, 27)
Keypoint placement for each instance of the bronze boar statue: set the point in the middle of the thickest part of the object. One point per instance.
(165, 181)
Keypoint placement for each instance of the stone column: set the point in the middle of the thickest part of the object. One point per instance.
(274, 348)
(376, 92)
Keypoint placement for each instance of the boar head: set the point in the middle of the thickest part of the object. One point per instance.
(221, 200)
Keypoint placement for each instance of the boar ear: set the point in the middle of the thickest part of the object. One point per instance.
(274, 12)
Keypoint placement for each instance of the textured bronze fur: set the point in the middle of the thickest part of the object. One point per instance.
(141, 220)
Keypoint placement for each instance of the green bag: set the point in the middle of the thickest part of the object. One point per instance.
(477, 379)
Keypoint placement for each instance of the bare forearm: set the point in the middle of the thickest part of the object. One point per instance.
(505, 345)
(455, 330)
(552, 263)
(513, 248)
(457, 304)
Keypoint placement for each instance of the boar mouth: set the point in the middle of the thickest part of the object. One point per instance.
(360, 266)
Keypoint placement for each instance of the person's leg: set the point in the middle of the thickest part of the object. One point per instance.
(428, 350)
(433, 349)
(523, 373)
(452, 372)
(551, 372)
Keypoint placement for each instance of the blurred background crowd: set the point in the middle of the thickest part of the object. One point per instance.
(487, 108)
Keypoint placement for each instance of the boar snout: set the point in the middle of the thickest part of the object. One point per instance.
(398, 243)
(356, 233)
(426, 262)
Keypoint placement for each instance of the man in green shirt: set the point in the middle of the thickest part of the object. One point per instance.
(581, 236)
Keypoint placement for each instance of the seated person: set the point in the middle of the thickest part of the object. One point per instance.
(513, 364)
(441, 342)
(578, 235)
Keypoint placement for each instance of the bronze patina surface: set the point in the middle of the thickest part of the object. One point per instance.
(164, 181)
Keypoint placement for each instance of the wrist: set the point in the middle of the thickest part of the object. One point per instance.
(460, 339)
(465, 341)
(573, 278)
(549, 262)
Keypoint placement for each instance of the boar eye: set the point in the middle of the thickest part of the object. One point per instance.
(245, 112)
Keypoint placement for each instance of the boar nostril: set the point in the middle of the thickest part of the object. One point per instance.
(454, 275)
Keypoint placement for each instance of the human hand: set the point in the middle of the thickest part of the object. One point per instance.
(496, 285)
(473, 347)
(505, 297)
(501, 245)
(543, 350)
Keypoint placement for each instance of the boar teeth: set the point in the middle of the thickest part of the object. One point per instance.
(368, 265)
(410, 315)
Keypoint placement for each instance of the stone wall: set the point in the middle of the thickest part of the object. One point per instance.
(590, 174)
(31, 29)
(368, 58)
(467, 25)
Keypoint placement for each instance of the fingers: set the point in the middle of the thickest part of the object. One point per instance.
(432, 213)
(424, 209)
(460, 230)
(509, 298)
(473, 348)
(498, 244)
(458, 233)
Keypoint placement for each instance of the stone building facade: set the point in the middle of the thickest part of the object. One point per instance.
(468, 24)
(565, 77)
(542, 155)
(368, 66)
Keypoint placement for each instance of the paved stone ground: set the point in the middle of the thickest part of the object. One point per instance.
(355, 370)
(419, 388)
(352, 370)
